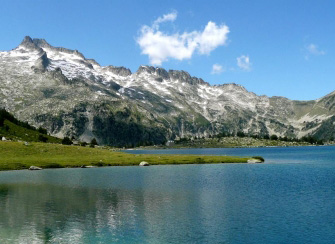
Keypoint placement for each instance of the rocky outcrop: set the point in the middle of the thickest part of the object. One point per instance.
(121, 71)
(254, 161)
(93, 62)
(161, 73)
(183, 76)
(143, 163)
(41, 43)
(41, 63)
(29, 44)
(34, 168)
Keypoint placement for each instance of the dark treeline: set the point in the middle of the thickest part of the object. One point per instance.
(309, 139)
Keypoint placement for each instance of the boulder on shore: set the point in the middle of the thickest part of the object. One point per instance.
(143, 163)
(34, 168)
(88, 166)
(254, 161)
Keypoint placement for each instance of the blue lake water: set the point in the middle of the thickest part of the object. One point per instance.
(288, 199)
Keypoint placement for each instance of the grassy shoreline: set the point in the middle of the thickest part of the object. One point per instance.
(17, 155)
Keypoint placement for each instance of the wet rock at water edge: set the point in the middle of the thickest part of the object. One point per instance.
(254, 161)
(143, 163)
(87, 166)
(34, 168)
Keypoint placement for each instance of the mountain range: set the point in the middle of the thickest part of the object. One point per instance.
(69, 95)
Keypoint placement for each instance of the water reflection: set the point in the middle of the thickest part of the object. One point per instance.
(48, 213)
(54, 213)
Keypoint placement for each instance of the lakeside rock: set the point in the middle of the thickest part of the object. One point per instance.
(143, 163)
(34, 168)
(88, 166)
(254, 161)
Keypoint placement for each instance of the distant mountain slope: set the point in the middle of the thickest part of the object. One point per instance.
(70, 95)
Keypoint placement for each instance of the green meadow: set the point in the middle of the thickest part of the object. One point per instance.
(17, 155)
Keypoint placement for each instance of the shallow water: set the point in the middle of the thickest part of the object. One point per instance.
(288, 199)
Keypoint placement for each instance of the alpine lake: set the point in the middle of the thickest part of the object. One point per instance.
(288, 199)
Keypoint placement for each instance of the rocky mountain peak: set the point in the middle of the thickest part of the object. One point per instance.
(28, 43)
(146, 69)
(121, 71)
(233, 86)
(65, 50)
(41, 43)
(93, 62)
(158, 72)
(184, 76)
(162, 74)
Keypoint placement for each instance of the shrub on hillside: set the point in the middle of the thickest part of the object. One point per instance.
(66, 141)
(274, 137)
(94, 142)
(42, 138)
(42, 130)
(83, 144)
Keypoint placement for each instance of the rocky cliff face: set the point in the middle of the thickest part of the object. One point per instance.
(66, 93)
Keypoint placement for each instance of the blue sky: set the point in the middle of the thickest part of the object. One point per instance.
(283, 48)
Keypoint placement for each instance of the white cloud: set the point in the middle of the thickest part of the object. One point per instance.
(166, 17)
(212, 37)
(313, 49)
(217, 69)
(243, 62)
(160, 46)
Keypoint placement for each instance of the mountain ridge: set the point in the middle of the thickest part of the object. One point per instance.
(61, 90)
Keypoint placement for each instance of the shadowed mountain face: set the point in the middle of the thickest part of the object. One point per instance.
(59, 89)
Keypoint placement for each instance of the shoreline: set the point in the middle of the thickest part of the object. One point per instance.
(17, 156)
(130, 165)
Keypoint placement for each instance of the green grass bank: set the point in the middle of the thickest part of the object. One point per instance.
(17, 155)
(16, 132)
